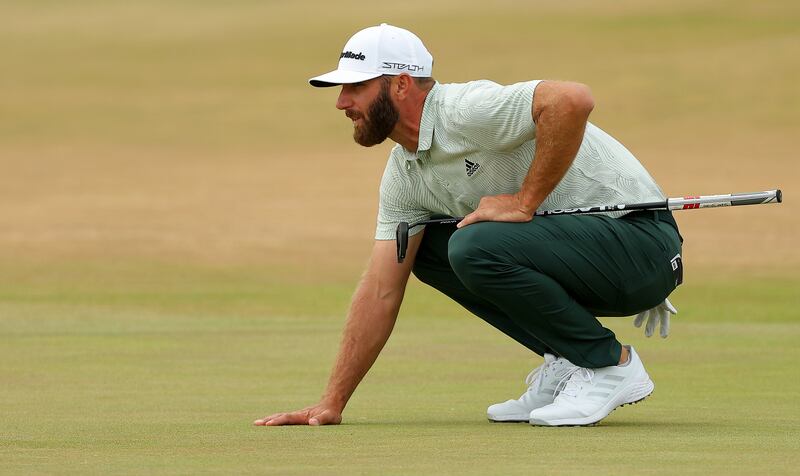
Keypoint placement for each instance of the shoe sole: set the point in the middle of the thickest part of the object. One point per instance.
(510, 417)
(639, 394)
(522, 420)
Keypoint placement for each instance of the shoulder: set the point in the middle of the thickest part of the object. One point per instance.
(462, 101)
(459, 94)
(480, 90)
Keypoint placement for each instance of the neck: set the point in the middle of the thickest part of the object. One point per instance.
(406, 132)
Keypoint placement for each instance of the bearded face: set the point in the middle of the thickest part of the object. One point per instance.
(374, 127)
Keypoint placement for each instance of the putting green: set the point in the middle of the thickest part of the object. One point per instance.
(183, 221)
(166, 377)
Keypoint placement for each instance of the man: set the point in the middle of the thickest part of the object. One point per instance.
(497, 154)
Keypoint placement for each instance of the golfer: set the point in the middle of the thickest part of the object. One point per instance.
(496, 154)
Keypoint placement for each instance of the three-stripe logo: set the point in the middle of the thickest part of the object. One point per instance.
(472, 167)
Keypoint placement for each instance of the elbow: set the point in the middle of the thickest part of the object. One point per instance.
(580, 100)
(567, 100)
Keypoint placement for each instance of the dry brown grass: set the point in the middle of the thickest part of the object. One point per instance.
(196, 140)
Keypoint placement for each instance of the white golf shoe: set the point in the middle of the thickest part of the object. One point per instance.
(589, 395)
(542, 383)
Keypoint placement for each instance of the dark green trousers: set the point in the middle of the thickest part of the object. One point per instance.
(542, 283)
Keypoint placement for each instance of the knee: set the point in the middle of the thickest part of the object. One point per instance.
(462, 249)
(423, 273)
(473, 253)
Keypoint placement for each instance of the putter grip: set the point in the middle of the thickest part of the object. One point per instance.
(401, 236)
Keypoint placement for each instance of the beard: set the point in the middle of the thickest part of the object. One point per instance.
(379, 122)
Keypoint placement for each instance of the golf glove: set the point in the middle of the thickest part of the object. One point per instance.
(658, 316)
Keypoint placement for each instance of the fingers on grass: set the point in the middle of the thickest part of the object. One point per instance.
(279, 419)
(328, 417)
(263, 421)
(297, 418)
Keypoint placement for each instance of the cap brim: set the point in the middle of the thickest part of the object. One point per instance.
(337, 77)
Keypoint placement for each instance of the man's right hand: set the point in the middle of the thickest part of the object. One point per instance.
(319, 414)
(372, 316)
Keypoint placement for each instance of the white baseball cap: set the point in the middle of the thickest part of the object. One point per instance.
(376, 51)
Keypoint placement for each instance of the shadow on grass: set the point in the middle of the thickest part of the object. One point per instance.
(512, 426)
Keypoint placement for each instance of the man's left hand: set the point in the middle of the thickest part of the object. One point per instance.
(507, 208)
(658, 316)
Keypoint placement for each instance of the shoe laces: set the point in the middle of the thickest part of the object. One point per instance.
(532, 380)
(572, 382)
(537, 376)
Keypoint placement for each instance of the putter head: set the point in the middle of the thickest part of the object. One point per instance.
(401, 236)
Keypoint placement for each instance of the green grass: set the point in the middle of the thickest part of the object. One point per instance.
(168, 381)
(183, 221)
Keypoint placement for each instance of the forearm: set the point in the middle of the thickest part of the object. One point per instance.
(370, 321)
(561, 117)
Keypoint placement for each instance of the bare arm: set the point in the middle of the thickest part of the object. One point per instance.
(560, 111)
(369, 323)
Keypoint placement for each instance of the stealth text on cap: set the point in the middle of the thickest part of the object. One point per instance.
(402, 66)
(356, 56)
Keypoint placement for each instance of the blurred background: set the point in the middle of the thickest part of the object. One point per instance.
(183, 220)
(185, 132)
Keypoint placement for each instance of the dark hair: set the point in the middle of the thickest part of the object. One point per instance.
(422, 83)
(425, 83)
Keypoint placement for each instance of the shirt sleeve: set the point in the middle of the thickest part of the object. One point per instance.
(496, 117)
(396, 202)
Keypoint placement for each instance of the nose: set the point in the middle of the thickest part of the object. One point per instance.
(344, 101)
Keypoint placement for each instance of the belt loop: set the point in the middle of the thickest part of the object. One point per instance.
(656, 214)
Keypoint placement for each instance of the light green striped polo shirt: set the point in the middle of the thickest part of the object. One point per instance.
(478, 139)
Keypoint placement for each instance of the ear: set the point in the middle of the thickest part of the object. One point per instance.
(402, 85)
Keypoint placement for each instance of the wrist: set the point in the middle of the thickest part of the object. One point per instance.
(527, 202)
(333, 402)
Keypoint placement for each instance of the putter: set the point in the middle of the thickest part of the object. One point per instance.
(680, 203)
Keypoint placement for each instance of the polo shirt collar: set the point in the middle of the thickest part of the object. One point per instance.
(427, 121)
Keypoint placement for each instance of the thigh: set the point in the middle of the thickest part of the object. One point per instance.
(609, 266)
(432, 267)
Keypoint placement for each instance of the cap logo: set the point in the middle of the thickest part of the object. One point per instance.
(356, 56)
(402, 67)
